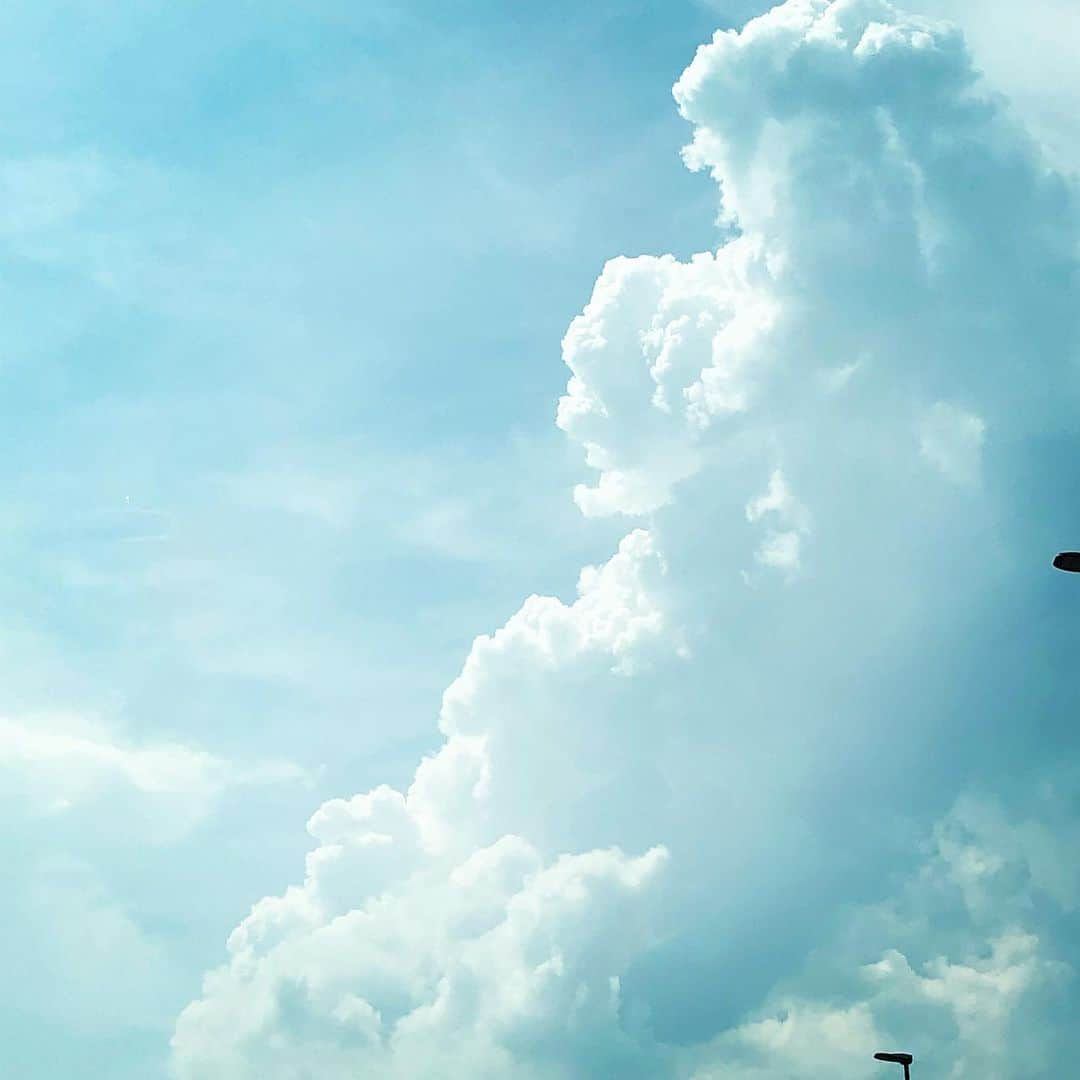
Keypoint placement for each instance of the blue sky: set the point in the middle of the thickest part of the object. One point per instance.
(283, 297)
(284, 290)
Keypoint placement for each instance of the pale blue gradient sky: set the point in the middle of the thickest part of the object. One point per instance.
(282, 293)
(283, 288)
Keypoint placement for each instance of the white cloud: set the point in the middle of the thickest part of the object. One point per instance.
(804, 1039)
(471, 943)
(987, 1000)
(952, 441)
(983, 846)
(977, 998)
(661, 348)
(72, 756)
(494, 966)
(83, 952)
(1039, 78)
(487, 922)
(58, 762)
(781, 547)
(81, 957)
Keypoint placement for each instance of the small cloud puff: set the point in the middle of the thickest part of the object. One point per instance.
(951, 440)
(781, 547)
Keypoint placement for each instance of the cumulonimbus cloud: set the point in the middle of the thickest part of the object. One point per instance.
(840, 437)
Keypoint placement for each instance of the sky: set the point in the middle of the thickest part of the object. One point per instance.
(526, 539)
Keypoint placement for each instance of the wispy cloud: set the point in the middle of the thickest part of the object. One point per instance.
(65, 761)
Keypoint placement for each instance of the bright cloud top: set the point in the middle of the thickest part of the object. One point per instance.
(834, 402)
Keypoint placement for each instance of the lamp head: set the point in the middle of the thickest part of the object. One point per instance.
(900, 1059)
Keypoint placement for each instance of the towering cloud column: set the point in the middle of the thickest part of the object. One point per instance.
(838, 440)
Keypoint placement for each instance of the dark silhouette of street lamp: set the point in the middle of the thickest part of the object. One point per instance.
(1069, 561)
(900, 1059)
